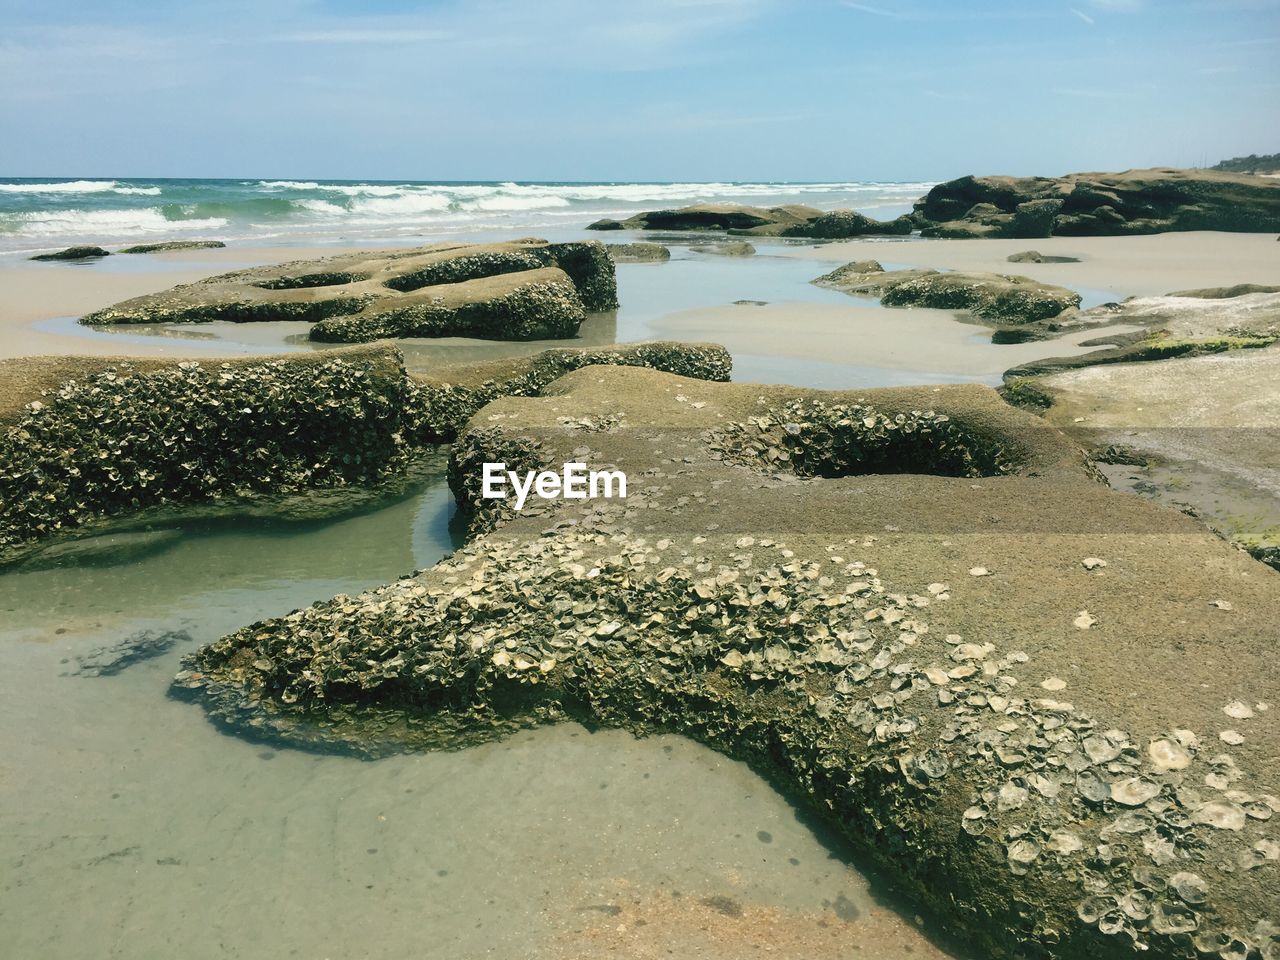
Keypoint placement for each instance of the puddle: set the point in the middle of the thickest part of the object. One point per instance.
(131, 827)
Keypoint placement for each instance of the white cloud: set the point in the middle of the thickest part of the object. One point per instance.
(1083, 16)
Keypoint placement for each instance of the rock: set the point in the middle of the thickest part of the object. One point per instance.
(791, 220)
(1035, 256)
(638, 252)
(538, 304)
(963, 230)
(1035, 218)
(1003, 299)
(1227, 293)
(522, 290)
(89, 439)
(74, 253)
(1087, 204)
(988, 296)
(606, 223)
(737, 248)
(867, 278)
(174, 245)
(746, 593)
(844, 224)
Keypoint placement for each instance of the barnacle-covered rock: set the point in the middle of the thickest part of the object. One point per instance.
(83, 439)
(768, 589)
(523, 290)
(996, 298)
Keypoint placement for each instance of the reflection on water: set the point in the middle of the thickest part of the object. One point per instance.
(651, 294)
(131, 827)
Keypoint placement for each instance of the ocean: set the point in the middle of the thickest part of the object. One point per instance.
(39, 214)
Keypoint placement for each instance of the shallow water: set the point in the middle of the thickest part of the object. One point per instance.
(651, 294)
(131, 827)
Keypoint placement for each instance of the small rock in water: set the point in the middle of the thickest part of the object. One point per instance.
(144, 645)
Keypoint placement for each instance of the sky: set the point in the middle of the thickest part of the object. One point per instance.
(805, 90)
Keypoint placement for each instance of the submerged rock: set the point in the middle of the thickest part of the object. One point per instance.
(74, 253)
(767, 588)
(524, 290)
(1035, 256)
(1100, 204)
(144, 645)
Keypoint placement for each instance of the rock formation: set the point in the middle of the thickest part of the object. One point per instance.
(996, 298)
(88, 439)
(524, 290)
(74, 253)
(638, 252)
(1043, 706)
(793, 220)
(1092, 204)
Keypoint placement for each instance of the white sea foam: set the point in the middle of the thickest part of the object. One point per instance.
(53, 223)
(410, 203)
(79, 186)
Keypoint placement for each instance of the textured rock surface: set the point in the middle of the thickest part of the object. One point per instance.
(793, 220)
(1047, 749)
(638, 252)
(997, 298)
(1094, 204)
(74, 253)
(524, 290)
(87, 439)
(169, 245)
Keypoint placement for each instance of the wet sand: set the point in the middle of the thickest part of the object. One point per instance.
(1129, 266)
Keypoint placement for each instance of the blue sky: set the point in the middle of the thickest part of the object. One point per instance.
(639, 89)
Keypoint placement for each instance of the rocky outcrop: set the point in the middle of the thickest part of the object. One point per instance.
(846, 224)
(996, 298)
(83, 439)
(793, 220)
(638, 252)
(1035, 702)
(170, 245)
(1093, 204)
(1188, 324)
(523, 290)
(74, 253)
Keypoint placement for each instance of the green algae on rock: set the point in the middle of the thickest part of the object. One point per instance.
(997, 298)
(1050, 790)
(522, 290)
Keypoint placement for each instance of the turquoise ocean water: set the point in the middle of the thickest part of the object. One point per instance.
(41, 214)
